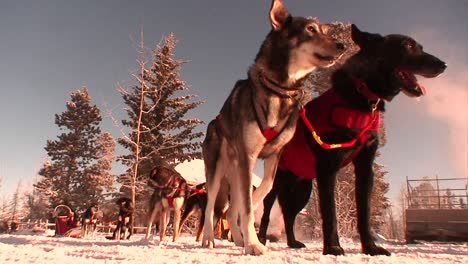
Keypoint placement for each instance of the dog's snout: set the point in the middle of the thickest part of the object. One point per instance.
(443, 65)
(340, 46)
(440, 64)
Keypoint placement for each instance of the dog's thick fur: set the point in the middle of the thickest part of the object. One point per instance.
(386, 65)
(196, 202)
(123, 230)
(168, 185)
(89, 221)
(258, 118)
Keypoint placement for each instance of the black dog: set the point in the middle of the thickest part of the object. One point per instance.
(123, 230)
(89, 221)
(196, 201)
(341, 126)
(293, 193)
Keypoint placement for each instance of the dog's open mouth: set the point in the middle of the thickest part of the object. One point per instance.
(410, 85)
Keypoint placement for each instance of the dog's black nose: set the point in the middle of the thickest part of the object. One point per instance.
(440, 64)
(340, 46)
(444, 65)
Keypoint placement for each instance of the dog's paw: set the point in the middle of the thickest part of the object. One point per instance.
(376, 251)
(239, 243)
(273, 238)
(333, 250)
(262, 240)
(296, 244)
(255, 249)
(208, 243)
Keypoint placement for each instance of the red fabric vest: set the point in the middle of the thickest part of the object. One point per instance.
(326, 113)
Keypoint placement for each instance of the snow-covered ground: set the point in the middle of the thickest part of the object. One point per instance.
(27, 248)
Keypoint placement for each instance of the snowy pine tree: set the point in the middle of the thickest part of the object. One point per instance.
(424, 195)
(78, 170)
(16, 205)
(36, 206)
(159, 130)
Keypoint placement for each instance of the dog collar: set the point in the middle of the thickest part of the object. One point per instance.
(363, 89)
(286, 92)
(258, 75)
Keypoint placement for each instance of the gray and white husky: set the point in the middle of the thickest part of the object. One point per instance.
(259, 118)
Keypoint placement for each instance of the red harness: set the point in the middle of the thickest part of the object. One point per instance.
(324, 114)
(170, 198)
(268, 133)
(256, 73)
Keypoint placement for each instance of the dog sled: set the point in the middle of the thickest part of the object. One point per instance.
(65, 225)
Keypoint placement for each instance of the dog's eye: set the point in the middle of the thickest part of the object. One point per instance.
(311, 29)
(410, 45)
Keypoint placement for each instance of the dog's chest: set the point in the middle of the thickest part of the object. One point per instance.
(328, 114)
(275, 112)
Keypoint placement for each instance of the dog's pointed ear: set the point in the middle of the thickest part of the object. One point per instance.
(279, 15)
(362, 38)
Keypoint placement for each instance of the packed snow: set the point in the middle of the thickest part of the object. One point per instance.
(27, 247)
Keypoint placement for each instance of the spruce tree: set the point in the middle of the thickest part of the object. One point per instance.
(157, 109)
(77, 172)
(36, 206)
(424, 195)
(16, 206)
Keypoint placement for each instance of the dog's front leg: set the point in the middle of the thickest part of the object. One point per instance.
(214, 176)
(164, 218)
(178, 204)
(265, 221)
(188, 211)
(84, 230)
(270, 166)
(154, 209)
(116, 234)
(242, 192)
(364, 184)
(232, 216)
(201, 223)
(326, 180)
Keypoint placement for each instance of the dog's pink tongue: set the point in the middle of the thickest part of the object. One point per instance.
(422, 88)
(413, 84)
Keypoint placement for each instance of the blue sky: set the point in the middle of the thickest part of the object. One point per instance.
(49, 49)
